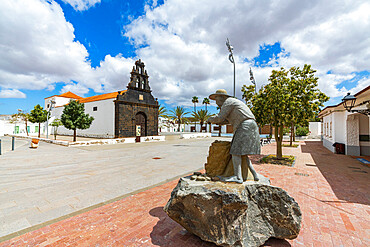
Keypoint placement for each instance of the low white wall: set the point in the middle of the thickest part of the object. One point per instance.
(98, 141)
(195, 135)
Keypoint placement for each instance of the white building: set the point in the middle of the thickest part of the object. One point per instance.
(101, 107)
(18, 128)
(348, 128)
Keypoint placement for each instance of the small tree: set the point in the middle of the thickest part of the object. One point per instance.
(74, 117)
(56, 123)
(195, 100)
(201, 116)
(206, 102)
(38, 115)
(179, 115)
(20, 116)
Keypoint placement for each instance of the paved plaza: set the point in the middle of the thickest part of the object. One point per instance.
(41, 185)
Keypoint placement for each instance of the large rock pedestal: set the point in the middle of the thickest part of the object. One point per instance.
(231, 214)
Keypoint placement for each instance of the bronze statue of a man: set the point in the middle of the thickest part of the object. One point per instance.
(246, 139)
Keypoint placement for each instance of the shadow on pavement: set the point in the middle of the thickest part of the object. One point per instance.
(347, 178)
(169, 233)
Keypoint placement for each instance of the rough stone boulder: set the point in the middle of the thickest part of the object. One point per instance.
(219, 162)
(230, 214)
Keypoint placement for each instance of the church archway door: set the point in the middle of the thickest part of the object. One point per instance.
(140, 120)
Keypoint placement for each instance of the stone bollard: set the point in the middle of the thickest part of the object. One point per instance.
(13, 141)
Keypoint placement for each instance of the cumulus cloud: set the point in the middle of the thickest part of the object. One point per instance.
(184, 42)
(82, 5)
(37, 46)
(11, 93)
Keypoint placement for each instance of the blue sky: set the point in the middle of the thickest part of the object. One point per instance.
(89, 46)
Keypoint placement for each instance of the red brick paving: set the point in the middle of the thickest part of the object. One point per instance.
(333, 198)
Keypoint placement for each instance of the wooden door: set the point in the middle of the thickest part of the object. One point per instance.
(140, 119)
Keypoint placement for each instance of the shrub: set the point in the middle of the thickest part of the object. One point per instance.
(302, 131)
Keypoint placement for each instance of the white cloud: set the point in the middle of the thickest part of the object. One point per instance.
(11, 93)
(76, 88)
(37, 46)
(184, 42)
(82, 5)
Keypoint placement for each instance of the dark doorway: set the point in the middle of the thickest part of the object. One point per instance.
(140, 120)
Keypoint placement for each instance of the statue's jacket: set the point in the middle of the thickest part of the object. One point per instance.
(246, 135)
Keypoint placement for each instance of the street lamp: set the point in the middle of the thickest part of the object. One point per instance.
(52, 103)
(349, 102)
(231, 58)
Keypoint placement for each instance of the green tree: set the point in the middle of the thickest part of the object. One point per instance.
(195, 100)
(305, 98)
(74, 117)
(162, 111)
(248, 92)
(56, 123)
(206, 102)
(179, 115)
(201, 116)
(284, 100)
(38, 115)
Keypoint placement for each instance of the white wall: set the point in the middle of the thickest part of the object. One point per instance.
(339, 127)
(59, 101)
(315, 129)
(101, 127)
(7, 128)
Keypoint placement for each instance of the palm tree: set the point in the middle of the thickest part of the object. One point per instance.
(201, 116)
(162, 111)
(195, 100)
(179, 116)
(206, 102)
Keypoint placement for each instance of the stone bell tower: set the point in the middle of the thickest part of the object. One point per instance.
(139, 77)
(136, 110)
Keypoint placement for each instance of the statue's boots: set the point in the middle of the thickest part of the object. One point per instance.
(231, 179)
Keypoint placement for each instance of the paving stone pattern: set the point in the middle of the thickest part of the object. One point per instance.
(333, 199)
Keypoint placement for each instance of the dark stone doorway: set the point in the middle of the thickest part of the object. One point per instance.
(140, 119)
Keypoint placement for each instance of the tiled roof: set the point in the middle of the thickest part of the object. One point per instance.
(66, 95)
(70, 95)
(99, 97)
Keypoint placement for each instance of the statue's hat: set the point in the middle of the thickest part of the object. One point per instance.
(219, 92)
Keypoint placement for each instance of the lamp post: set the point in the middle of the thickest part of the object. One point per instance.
(252, 80)
(52, 103)
(231, 58)
(349, 102)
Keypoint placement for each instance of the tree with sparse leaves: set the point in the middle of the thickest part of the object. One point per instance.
(56, 123)
(38, 115)
(74, 117)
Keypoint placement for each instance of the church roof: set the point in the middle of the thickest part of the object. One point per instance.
(70, 95)
(100, 97)
(67, 95)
